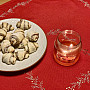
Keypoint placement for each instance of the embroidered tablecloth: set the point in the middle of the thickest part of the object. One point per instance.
(52, 16)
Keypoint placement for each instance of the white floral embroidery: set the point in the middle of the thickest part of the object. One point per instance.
(14, 7)
(86, 4)
(85, 51)
(53, 32)
(84, 78)
(35, 81)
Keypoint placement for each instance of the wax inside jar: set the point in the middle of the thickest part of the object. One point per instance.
(66, 57)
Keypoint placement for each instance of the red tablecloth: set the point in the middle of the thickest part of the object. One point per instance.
(52, 16)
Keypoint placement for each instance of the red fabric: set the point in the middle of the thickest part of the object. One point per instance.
(51, 15)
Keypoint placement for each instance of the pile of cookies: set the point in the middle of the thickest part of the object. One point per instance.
(16, 45)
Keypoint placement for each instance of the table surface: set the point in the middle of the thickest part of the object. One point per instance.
(52, 16)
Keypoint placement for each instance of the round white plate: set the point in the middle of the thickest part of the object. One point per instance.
(34, 57)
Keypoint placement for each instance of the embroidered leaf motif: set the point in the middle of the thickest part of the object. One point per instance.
(84, 78)
(35, 81)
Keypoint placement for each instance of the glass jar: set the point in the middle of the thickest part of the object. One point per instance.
(67, 47)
